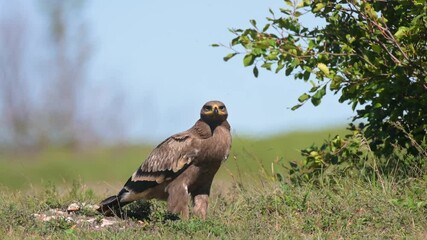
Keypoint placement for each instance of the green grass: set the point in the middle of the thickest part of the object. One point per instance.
(246, 202)
(59, 166)
(350, 209)
(106, 166)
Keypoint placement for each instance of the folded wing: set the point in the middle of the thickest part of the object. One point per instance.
(165, 162)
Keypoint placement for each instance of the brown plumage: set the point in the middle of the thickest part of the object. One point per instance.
(182, 165)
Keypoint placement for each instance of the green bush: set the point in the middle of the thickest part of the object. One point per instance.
(371, 53)
(352, 156)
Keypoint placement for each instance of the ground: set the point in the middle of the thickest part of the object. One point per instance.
(266, 210)
(247, 201)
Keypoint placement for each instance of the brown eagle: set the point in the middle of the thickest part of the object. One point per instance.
(182, 165)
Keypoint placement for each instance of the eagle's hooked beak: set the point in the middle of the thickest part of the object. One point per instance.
(215, 109)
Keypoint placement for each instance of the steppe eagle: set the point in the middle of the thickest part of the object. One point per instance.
(183, 165)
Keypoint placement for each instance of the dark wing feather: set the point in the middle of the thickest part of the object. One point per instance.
(168, 158)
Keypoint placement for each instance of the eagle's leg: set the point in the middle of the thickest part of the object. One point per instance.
(178, 200)
(200, 205)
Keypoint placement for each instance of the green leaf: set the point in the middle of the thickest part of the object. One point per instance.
(323, 68)
(350, 38)
(289, 70)
(229, 56)
(319, 7)
(313, 84)
(307, 69)
(255, 71)
(280, 66)
(306, 75)
(285, 11)
(266, 27)
(377, 105)
(271, 56)
(253, 22)
(311, 44)
(402, 32)
(315, 101)
(267, 65)
(354, 105)
(248, 60)
(317, 97)
(303, 97)
(295, 62)
(377, 48)
(336, 82)
(235, 41)
(296, 107)
(214, 45)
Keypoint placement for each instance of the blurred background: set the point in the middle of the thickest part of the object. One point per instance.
(87, 87)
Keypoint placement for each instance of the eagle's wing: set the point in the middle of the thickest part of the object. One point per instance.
(168, 159)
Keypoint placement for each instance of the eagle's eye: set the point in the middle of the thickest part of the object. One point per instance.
(222, 108)
(207, 108)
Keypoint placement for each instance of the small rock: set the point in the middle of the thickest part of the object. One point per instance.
(92, 207)
(106, 222)
(73, 207)
(56, 212)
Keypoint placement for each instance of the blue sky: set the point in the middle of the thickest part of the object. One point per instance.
(158, 53)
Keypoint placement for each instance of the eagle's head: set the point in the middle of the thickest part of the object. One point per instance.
(214, 112)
